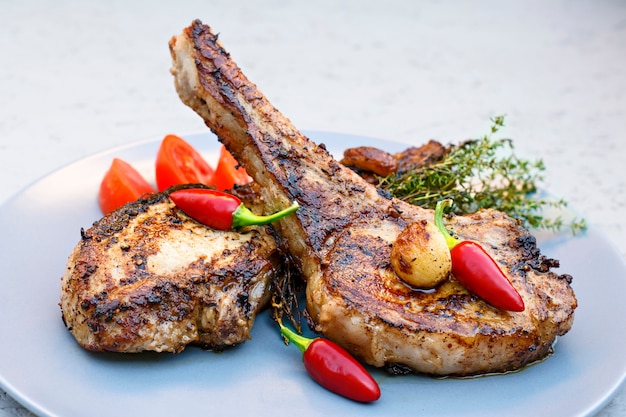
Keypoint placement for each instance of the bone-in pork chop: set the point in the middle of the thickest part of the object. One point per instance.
(342, 236)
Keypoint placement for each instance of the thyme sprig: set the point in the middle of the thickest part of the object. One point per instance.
(483, 173)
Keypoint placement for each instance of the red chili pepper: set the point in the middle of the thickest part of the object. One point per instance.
(334, 368)
(477, 271)
(221, 210)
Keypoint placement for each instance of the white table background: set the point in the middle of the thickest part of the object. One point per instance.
(79, 77)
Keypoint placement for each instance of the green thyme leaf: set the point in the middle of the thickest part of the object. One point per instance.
(483, 173)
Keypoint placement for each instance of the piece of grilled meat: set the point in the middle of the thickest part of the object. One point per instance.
(342, 235)
(372, 163)
(148, 277)
(370, 159)
(369, 162)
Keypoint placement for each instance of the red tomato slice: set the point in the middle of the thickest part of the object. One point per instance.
(180, 163)
(120, 185)
(228, 172)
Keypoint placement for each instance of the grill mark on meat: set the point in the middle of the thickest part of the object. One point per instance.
(147, 277)
(342, 233)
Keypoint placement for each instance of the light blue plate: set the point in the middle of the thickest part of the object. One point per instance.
(43, 368)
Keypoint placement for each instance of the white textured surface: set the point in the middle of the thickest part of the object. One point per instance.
(79, 77)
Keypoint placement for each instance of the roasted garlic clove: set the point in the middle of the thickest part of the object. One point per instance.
(420, 255)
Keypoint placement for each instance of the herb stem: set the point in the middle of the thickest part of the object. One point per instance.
(482, 173)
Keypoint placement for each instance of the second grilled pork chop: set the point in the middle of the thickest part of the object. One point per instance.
(148, 277)
(343, 232)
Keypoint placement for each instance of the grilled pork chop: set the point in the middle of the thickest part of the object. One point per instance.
(148, 277)
(342, 236)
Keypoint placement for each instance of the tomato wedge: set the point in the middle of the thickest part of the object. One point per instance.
(121, 184)
(228, 172)
(178, 162)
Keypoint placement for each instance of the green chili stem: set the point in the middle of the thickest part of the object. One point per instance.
(441, 205)
(300, 341)
(244, 217)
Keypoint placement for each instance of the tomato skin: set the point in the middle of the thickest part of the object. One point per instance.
(335, 369)
(228, 173)
(178, 162)
(121, 184)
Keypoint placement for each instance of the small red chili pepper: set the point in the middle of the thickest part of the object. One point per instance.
(334, 368)
(477, 271)
(221, 210)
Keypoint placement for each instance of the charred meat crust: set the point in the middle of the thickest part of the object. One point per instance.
(370, 159)
(147, 277)
(418, 157)
(343, 232)
(284, 169)
(464, 326)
